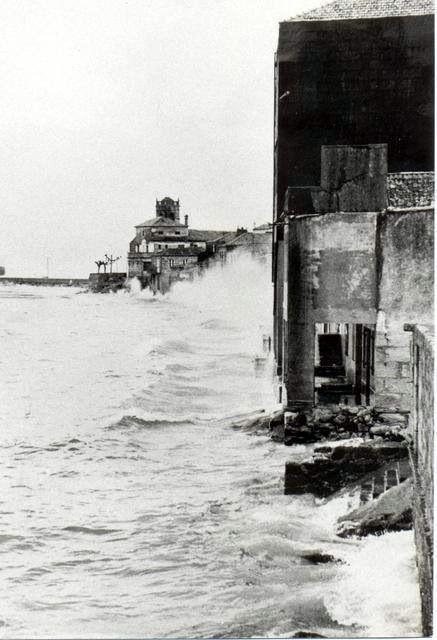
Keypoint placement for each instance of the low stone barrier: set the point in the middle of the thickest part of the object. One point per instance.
(332, 467)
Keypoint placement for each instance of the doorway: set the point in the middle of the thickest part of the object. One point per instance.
(344, 363)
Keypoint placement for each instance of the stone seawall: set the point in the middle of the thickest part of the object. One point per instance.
(422, 458)
(104, 282)
(47, 282)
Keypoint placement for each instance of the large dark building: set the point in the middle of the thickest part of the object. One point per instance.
(353, 240)
(350, 74)
(353, 72)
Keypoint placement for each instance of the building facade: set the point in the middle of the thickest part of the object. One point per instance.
(353, 220)
(348, 74)
(356, 269)
(352, 72)
(165, 249)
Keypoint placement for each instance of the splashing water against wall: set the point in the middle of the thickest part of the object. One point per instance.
(132, 508)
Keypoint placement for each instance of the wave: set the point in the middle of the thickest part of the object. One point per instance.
(173, 346)
(94, 531)
(6, 537)
(381, 569)
(132, 421)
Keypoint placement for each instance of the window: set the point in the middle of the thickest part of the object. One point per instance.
(172, 262)
(166, 246)
(177, 233)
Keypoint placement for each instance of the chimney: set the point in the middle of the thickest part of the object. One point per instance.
(186, 220)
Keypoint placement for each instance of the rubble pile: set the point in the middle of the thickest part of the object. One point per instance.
(337, 422)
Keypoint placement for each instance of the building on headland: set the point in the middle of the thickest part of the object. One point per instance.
(353, 220)
(165, 249)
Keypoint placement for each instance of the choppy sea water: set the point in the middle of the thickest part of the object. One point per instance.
(129, 505)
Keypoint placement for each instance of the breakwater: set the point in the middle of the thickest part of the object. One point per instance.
(47, 282)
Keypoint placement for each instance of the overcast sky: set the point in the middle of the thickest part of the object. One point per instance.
(109, 104)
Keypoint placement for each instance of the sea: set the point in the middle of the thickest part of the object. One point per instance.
(134, 503)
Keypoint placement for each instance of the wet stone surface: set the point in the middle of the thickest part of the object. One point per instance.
(331, 468)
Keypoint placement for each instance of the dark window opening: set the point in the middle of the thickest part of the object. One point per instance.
(344, 364)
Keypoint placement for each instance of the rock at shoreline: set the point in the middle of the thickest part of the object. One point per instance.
(319, 558)
(392, 511)
(331, 468)
(298, 430)
(388, 432)
(337, 422)
(276, 426)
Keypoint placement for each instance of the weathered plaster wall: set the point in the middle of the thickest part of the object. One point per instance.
(331, 278)
(135, 267)
(278, 299)
(342, 254)
(405, 254)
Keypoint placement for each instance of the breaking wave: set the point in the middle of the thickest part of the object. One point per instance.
(131, 467)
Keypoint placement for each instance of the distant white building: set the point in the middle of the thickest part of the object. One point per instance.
(164, 246)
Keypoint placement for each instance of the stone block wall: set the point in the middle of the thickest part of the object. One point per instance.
(410, 189)
(100, 282)
(423, 410)
(393, 376)
(422, 427)
(405, 264)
